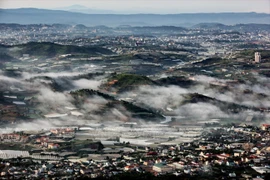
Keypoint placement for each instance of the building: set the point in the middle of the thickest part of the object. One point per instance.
(130, 168)
(265, 127)
(8, 154)
(12, 137)
(53, 146)
(257, 57)
(162, 168)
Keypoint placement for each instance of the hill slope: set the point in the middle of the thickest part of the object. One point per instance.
(126, 82)
(178, 81)
(51, 49)
(128, 109)
(6, 58)
(223, 105)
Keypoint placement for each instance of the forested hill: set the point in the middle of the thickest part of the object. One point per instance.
(49, 49)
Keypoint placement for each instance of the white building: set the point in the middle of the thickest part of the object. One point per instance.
(257, 57)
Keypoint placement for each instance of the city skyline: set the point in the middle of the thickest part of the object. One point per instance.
(149, 6)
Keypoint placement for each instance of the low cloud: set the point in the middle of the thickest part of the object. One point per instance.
(201, 111)
(86, 84)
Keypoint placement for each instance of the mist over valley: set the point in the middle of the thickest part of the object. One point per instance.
(134, 96)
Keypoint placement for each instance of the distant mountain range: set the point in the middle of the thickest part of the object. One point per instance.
(86, 10)
(44, 16)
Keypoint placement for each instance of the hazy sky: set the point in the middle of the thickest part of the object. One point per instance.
(149, 6)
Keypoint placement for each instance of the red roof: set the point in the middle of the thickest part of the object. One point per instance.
(152, 153)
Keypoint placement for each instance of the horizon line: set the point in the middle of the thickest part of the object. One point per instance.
(145, 13)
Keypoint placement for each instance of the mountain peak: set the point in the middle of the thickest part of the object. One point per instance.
(76, 6)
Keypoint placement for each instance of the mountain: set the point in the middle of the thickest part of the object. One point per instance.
(75, 6)
(44, 16)
(125, 82)
(223, 105)
(82, 9)
(130, 110)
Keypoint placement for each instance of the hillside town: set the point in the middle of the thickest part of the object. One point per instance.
(233, 151)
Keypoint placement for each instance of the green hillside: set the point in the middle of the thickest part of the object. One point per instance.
(132, 111)
(6, 58)
(48, 49)
(210, 61)
(250, 54)
(178, 81)
(223, 105)
(126, 82)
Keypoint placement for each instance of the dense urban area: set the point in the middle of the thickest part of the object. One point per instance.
(135, 102)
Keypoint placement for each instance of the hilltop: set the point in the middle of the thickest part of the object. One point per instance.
(210, 61)
(127, 109)
(223, 105)
(125, 82)
(178, 81)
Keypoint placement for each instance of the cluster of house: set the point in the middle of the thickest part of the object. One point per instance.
(59, 131)
(44, 142)
(224, 150)
(13, 137)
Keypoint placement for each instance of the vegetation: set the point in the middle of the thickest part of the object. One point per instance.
(49, 49)
(224, 106)
(80, 144)
(125, 82)
(179, 81)
(15, 146)
(90, 92)
(209, 61)
(137, 112)
(248, 45)
(250, 53)
(6, 58)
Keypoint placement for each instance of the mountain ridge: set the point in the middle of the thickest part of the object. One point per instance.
(37, 16)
